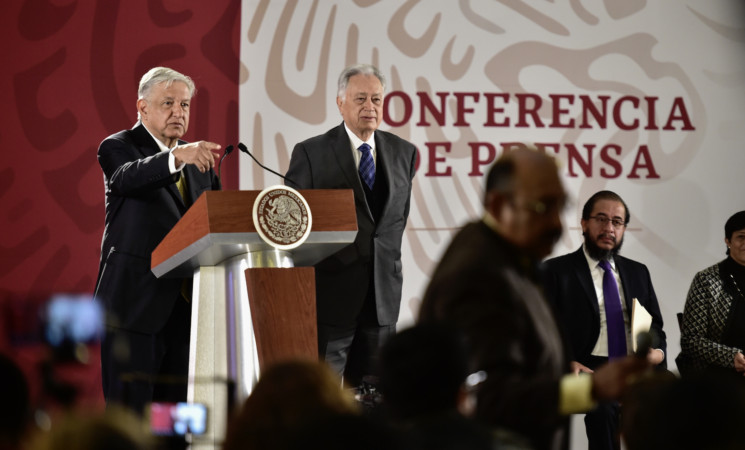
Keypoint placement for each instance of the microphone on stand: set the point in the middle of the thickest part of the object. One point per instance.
(228, 150)
(243, 148)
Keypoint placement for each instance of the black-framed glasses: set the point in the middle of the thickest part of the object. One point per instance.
(542, 208)
(603, 220)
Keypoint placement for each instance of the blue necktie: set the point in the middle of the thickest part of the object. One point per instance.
(367, 166)
(613, 313)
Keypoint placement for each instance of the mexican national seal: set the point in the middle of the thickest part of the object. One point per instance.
(282, 217)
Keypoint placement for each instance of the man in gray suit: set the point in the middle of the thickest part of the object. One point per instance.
(358, 289)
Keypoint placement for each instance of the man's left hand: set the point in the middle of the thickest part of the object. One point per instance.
(655, 356)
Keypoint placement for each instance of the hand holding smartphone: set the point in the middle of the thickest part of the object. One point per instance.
(177, 419)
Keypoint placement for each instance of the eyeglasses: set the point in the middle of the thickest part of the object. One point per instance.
(603, 220)
(542, 208)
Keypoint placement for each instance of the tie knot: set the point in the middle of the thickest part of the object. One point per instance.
(364, 148)
(605, 265)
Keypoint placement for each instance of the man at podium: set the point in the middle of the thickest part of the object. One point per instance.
(358, 289)
(151, 177)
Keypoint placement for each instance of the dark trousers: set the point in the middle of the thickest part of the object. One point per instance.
(601, 424)
(351, 352)
(138, 368)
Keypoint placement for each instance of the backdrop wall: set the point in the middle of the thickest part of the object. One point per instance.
(642, 98)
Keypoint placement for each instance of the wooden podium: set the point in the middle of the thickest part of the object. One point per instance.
(251, 304)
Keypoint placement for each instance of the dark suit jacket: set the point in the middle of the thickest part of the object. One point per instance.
(490, 291)
(342, 279)
(142, 205)
(568, 285)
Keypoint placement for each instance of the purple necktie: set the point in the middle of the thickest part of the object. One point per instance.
(613, 313)
(367, 166)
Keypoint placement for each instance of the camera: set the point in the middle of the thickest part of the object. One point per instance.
(177, 419)
(69, 323)
(72, 318)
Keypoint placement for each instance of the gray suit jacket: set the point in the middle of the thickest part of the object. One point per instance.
(343, 279)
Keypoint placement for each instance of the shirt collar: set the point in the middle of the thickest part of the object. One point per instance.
(160, 143)
(491, 222)
(356, 141)
(593, 263)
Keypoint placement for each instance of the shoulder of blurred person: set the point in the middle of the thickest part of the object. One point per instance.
(288, 397)
(422, 370)
(15, 413)
(700, 411)
(114, 429)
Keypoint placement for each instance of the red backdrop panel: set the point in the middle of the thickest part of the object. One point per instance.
(69, 79)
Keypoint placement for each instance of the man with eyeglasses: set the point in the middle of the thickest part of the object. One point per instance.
(488, 288)
(593, 290)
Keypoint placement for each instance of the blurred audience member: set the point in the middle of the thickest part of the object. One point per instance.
(15, 413)
(290, 397)
(422, 377)
(422, 371)
(116, 429)
(713, 329)
(344, 432)
(487, 286)
(703, 411)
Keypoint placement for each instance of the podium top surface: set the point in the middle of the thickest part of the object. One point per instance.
(219, 226)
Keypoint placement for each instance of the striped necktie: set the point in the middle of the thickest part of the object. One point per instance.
(367, 166)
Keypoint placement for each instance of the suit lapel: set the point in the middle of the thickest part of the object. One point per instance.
(343, 153)
(624, 276)
(145, 142)
(149, 147)
(383, 166)
(582, 272)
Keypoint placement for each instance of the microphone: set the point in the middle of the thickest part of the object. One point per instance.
(645, 341)
(228, 150)
(243, 148)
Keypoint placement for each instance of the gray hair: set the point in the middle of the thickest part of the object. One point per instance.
(358, 69)
(158, 75)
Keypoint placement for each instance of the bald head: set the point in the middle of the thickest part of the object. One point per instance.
(525, 196)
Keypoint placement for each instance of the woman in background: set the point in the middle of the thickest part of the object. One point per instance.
(713, 328)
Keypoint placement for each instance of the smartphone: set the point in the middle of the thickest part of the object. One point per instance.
(177, 419)
(70, 319)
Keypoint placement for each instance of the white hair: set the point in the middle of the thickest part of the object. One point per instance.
(358, 69)
(158, 75)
